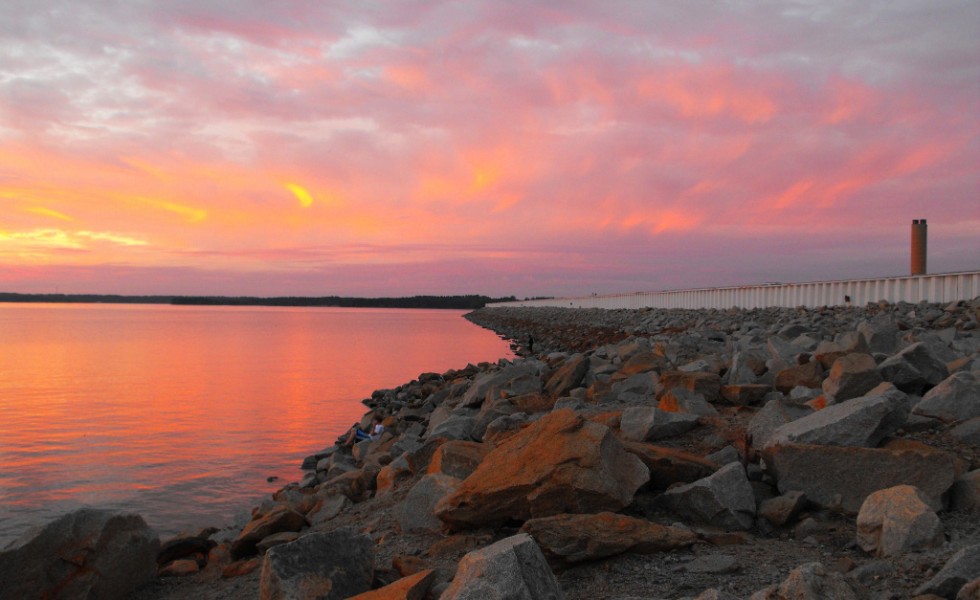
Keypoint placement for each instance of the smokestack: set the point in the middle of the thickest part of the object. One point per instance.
(919, 247)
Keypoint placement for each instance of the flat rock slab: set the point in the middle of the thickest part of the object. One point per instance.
(577, 538)
(512, 569)
(324, 566)
(842, 477)
(669, 465)
(561, 463)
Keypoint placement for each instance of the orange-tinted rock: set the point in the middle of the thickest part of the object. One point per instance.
(642, 362)
(576, 538)
(808, 375)
(407, 565)
(413, 587)
(180, 568)
(568, 377)
(458, 458)
(277, 520)
(240, 567)
(669, 466)
(743, 394)
(533, 403)
(561, 463)
(702, 382)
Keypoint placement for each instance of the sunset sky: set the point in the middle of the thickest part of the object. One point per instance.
(490, 146)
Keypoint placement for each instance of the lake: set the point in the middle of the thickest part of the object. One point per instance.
(181, 413)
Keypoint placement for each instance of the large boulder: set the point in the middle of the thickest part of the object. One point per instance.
(807, 375)
(915, 369)
(513, 380)
(858, 422)
(458, 458)
(416, 511)
(772, 416)
(561, 463)
(320, 566)
(277, 520)
(966, 492)
(567, 377)
(648, 423)
(90, 553)
(723, 499)
(842, 477)
(851, 376)
(577, 538)
(896, 521)
(961, 568)
(956, 398)
(512, 569)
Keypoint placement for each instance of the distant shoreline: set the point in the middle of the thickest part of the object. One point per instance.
(469, 302)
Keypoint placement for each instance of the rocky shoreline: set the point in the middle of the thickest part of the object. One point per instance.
(625, 454)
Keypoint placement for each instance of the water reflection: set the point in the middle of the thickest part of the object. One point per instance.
(181, 413)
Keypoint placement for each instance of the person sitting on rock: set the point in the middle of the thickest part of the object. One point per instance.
(357, 434)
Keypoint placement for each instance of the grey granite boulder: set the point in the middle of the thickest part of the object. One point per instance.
(956, 398)
(512, 569)
(897, 521)
(772, 416)
(647, 423)
(90, 553)
(968, 432)
(915, 369)
(723, 499)
(416, 511)
(851, 376)
(858, 422)
(962, 567)
(842, 477)
(277, 520)
(513, 380)
(324, 566)
(966, 492)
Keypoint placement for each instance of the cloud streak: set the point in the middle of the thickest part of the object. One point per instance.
(547, 149)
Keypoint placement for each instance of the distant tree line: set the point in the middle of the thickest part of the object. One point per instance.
(470, 302)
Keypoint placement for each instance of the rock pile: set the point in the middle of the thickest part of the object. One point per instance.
(764, 454)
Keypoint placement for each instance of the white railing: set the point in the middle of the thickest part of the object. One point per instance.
(941, 287)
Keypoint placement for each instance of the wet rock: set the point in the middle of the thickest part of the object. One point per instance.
(576, 538)
(512, 569)
(723, 499)
(842, 477)
(325, 566)
(896, 521)
(956, 398)
(561, 463)
(89, 553)
(647, 423)
(859, 422)
(961, 568)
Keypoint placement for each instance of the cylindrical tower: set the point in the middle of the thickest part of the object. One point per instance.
(919, 238)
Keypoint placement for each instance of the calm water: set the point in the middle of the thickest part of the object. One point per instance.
(181, 413)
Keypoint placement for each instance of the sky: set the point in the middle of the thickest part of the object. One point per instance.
(498, 147)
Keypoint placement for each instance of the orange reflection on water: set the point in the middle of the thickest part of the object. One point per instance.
(183, 412)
